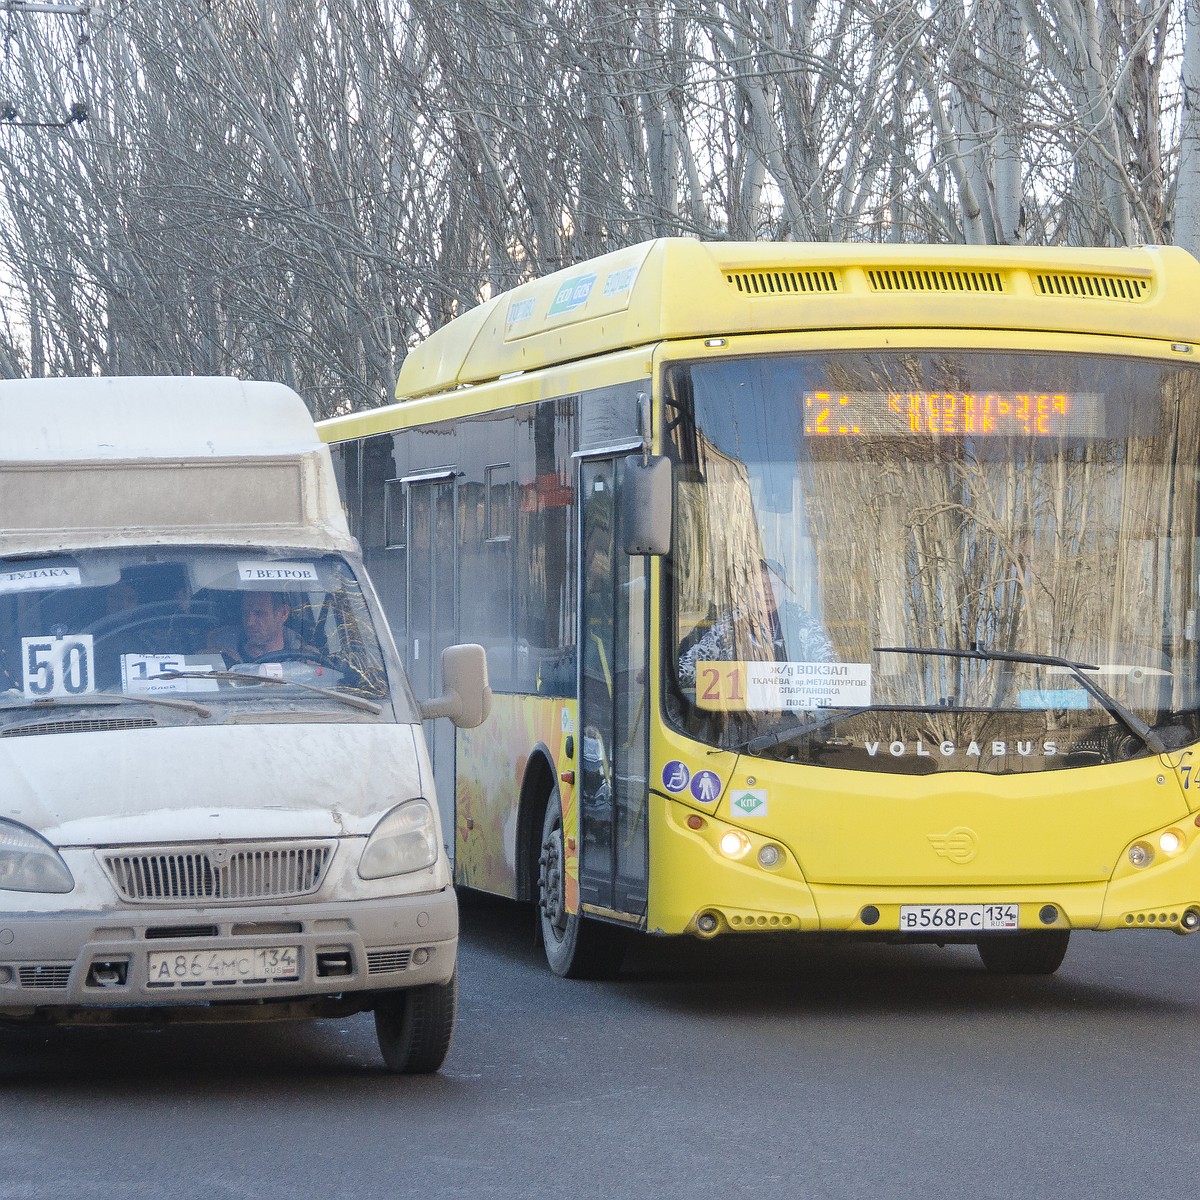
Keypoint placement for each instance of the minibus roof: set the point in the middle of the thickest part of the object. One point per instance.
(157, 460)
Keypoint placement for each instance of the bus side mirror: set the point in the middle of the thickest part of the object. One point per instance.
(466, 698)
(645, 492)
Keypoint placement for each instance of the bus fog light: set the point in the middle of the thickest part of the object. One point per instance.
(1170, 842)
(1190, 920)
(770, 856)
(1141, 855)
(734, 844)
(707, 922)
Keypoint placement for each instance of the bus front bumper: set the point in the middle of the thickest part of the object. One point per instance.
(717, 879)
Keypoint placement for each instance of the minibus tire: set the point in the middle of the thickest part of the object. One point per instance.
(414, 1027)
(575, 947)
(1025, 953)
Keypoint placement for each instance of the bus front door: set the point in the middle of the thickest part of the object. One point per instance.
(613, 699)
(431, 622)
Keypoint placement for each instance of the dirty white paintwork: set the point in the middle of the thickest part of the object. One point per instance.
(209, 784)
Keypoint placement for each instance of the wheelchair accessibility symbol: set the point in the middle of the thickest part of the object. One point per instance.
(675, 776)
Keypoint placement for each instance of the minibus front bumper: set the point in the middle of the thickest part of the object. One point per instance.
(227, 962)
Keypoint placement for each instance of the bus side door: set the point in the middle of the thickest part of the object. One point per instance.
(613, 703)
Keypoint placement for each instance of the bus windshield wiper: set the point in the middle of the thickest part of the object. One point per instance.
(767, 741)
(1111, 704)
(245, 677)
(828, 716)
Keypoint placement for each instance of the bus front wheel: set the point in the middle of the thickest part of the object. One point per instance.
(1026, 953)
(575, 947)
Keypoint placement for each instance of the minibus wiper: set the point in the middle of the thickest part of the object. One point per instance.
(1129, 719)
(85, 698)
(245, 677)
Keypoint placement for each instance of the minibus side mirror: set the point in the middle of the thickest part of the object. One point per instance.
(466, 698)
(645, 498)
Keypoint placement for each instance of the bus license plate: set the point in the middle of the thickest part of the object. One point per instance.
(958, 918)
(224, 966)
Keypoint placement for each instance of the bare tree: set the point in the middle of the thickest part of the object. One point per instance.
(299, 189)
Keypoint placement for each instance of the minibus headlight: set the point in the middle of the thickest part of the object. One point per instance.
(28, 863)
(405, 840)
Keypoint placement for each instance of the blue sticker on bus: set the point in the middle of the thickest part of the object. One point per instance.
(675, 776)
(573, 294)
(1058, 698)
(706, 786)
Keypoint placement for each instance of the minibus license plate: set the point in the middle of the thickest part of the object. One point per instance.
(224, 966)
(958, 918)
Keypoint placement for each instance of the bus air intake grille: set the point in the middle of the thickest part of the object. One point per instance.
(783, 283)
(1094, 287)
(97, 726)
(381, 961)
(45, 975)
(931, 280)
(218, 873)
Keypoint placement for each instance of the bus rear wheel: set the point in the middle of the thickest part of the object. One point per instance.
(1032, 953)
(414, 1027)
(576, 948)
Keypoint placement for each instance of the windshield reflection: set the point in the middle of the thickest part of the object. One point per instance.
(1030, 506)
(180, 625)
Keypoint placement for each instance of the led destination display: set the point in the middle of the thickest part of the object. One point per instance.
(1033, 414)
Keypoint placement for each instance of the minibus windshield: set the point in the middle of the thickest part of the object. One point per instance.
(210, 626)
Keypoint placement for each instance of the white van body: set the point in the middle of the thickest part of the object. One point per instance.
(190, 830)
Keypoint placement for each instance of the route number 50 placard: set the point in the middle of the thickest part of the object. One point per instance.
(58, 666)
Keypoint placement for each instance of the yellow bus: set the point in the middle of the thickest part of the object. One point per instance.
(826, 589)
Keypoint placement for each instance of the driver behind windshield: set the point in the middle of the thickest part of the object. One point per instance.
(264, 632)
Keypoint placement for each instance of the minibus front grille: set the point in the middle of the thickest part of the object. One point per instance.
(217, 873)
(379, 962)
(103, 725)
(45, 975)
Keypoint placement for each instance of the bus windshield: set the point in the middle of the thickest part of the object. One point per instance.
(200, 630)
(841, 517)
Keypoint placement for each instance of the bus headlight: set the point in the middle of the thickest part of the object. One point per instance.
(1170, 842)
(1140, 855)
(770, 856)
(405, 840)
(734, 844)
(28, 863)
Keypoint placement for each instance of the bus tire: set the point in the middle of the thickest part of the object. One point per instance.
(575, 947)
(1031, 953)
(414, 1027)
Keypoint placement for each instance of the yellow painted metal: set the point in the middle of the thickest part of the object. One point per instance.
(849, 839)
(680, 288)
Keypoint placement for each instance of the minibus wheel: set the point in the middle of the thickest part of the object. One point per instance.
(576, 947)
(414, 1027)
(1032, 953)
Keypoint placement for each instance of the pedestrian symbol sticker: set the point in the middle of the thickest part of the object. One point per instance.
(706, 786)
(675, 776)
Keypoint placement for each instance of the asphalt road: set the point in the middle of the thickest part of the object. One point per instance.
(725, 1069)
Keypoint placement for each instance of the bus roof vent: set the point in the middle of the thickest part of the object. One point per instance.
(933, 279)
(783, 283)
(1098, 287)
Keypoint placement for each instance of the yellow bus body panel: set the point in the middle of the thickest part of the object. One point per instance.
(850, 843)
(679, 288)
